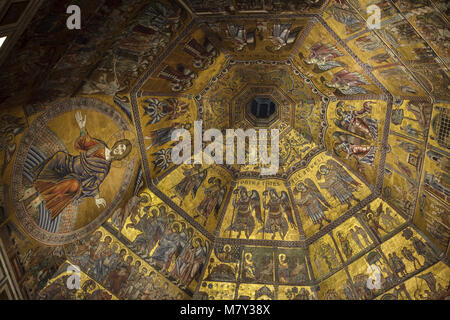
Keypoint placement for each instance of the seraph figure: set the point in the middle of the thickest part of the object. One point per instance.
(160, 137)
(240, 37)
(381, 58)
(157, 109)
(162, 159)
(204, 55)
(343, 13)
(368, 43)
(180, 77)
(282, 37)
(160, 17)
(312, 201)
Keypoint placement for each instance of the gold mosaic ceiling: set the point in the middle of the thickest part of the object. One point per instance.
(363, 178)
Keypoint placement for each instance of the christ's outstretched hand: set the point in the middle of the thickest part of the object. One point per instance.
(79, 118)
(100, 202)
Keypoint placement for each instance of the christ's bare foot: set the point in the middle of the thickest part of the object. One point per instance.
(28, 193)
(35, 203)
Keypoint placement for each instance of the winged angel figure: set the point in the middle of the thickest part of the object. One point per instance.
(240, 37)
(282, 37)
(347, 83)
(322, 56)
(312, 201)
(338, 182)
(279, 209)
(244, 205)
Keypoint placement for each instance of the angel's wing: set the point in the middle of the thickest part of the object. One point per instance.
(327, 51)
(292, 36)
(206, 247)
(330, 65)
(341, 172)
(313, 190)
(353, 90)
(233, 30)
(287, 208)
(220, 196)
(351, 78)
(338, 123)
(201, 177)
(314, 51)
(255, 202)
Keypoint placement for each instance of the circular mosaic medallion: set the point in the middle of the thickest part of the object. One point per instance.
(72, 168)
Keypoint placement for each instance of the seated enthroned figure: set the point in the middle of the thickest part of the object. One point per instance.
(63, 178)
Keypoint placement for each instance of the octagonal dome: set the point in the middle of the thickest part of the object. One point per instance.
(362, 177)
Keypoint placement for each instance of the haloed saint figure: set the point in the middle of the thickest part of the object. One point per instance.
(64, 178)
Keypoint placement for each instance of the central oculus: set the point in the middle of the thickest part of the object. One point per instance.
(262, 107)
